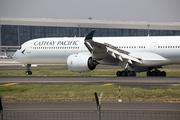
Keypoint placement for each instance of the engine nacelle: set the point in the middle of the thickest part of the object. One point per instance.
(81, 62)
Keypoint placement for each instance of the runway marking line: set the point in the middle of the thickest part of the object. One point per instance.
(173, 101)
(10, 84)
(108, 84)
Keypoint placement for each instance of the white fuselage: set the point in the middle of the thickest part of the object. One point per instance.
(56, 50)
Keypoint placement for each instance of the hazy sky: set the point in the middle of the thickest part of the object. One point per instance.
(116, 10)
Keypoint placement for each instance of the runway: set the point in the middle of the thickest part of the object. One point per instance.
(75, 106)
(92, 106)
(124, 81)
(88, 110)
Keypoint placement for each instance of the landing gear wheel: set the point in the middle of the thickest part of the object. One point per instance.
(28, 73)
(118, 73)
(156, 73)
(133, 73)
(149, 73)
(124, 73)
(163, 73)
(129, 73)
(159, 73)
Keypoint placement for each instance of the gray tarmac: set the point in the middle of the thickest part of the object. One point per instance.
(143, 82)
(123, 81)
(80, 109)
(88, 111)
(17, 106)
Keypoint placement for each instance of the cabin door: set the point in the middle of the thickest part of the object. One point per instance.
(153, 46)
(29, 47)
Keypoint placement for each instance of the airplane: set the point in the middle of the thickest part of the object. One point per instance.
(133, 54)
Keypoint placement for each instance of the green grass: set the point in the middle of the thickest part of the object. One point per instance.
(171, 72)
(50, 72)
(75, 92)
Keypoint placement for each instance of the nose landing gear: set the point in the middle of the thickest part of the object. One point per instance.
(28, 72)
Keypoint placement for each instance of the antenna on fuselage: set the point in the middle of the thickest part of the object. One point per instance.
(148, 25)
(148, 29)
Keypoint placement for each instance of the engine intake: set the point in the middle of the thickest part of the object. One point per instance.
(81, 62)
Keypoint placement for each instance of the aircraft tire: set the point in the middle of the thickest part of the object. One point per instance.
(163, 73)
(158, 73)
(153, 73)
(124, 73)
(118, 73)
(28, 73)
(148, 73)
(133, 73)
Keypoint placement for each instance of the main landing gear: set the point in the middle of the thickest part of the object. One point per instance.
(125, 73)
(156, 73)
(28, 72)
(149, 73)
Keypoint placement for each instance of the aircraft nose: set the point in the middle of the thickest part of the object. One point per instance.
(14, 56)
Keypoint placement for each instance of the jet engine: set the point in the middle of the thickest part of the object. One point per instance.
(81, 62)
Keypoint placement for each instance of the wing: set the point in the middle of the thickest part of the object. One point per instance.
(100, 51)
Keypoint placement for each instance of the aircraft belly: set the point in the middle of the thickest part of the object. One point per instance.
(48, 61)
(150, 63)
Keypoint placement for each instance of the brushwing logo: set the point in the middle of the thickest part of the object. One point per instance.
(23, 51)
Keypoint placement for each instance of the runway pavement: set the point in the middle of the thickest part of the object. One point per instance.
(123, 81)
(10, 64)
(85, 110)
(88, 111)
(91, 106)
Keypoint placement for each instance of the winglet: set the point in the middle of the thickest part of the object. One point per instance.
(90, 35)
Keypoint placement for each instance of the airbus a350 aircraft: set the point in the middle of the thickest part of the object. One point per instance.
(133, 54)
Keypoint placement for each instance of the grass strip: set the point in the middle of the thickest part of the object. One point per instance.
(76, 92)
(171, 72)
